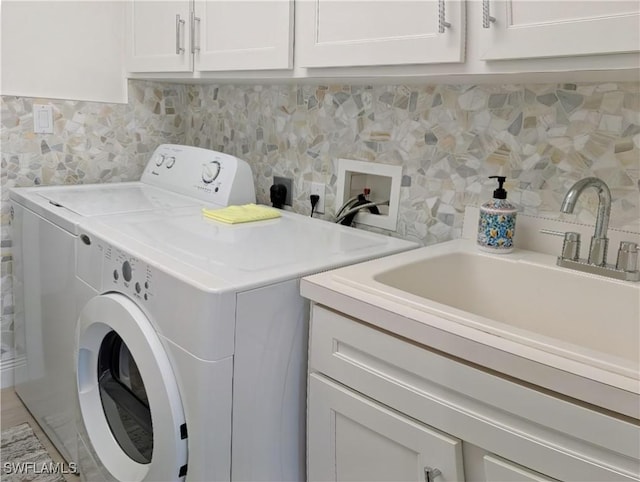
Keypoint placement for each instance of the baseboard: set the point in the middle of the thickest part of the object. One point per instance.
(6, 370)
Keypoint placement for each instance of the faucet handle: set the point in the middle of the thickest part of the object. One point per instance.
(571, 244)
(627, 256)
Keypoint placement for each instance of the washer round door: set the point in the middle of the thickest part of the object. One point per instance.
(128, 394)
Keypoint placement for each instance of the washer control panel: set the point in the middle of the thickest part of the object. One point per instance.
(204, 174)
(106, 268)
(127, 273)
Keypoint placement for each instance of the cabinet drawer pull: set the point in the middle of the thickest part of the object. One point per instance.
(431, 473)
(441, 17)
(179, 24)
(195, 48)
(487, 19)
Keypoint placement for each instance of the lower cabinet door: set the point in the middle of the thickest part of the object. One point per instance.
(351, 437)
(500, 470)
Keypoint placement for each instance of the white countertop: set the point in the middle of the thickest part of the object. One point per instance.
(612, 385)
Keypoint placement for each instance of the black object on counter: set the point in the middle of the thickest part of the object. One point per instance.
(278, 195)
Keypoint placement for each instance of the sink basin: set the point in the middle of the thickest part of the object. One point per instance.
(522, 297)
(586, 311)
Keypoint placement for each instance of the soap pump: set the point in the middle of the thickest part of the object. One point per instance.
(497, 221)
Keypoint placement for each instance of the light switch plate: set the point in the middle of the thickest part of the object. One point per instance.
(43, 118)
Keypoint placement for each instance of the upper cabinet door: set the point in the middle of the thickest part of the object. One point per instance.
(521, 29)
(158, 36)
(341, 33)
(243, 35)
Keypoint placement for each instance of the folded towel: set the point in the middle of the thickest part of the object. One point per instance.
(241, 214)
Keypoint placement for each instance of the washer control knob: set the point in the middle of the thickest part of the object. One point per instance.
(116, 275)
(126, 271)
(160, 160)
(210, 171)
(138, 288)
(170, 162)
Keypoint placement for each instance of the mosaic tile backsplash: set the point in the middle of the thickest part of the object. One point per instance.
(447, 138)
(92, 142)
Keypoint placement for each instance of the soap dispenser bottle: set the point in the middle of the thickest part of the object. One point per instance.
(497, 221)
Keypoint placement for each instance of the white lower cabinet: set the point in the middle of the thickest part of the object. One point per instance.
(381, 408)
(499, 470)
(353, 438)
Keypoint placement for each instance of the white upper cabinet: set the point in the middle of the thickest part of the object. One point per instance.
(211, 35)
(341, 33)
(63, 50)
(521, 29)
(244, 35)
(557, 40)
(157, 36)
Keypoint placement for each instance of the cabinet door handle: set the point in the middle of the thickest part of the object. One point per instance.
(441, 17)
(487, 19)
(179, 24)
(431, 473)
(195, 48)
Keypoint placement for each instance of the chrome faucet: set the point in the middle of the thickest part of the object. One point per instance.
(599, 241)
(626, 267)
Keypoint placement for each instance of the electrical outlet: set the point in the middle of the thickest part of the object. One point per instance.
(318, 188)
(288, 183)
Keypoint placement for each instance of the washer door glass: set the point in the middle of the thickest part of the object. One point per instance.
(124, 399)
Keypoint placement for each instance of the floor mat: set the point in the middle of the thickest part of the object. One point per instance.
(25, 459)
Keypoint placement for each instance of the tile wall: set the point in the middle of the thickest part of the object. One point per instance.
(448, 138)
(92, 142)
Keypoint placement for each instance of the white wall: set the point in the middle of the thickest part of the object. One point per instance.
(60, 49)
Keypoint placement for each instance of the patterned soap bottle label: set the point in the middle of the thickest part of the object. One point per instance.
(496, 230)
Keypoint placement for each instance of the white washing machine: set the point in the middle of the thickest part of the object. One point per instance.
(192, 351)
(45, 227)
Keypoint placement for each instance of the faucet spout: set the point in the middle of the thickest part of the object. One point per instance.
(599, 240)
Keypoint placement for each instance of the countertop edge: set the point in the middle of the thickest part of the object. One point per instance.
(322, 289)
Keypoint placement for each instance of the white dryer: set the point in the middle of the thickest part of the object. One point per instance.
(45, 227)
(192, 352)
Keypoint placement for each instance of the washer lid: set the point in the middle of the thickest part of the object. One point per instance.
(113, 199)
(220, 256)
(66, 205)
